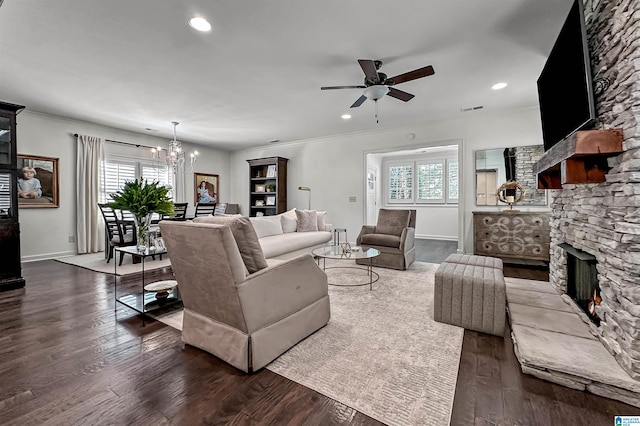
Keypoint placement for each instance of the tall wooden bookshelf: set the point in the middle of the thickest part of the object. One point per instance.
(267, 186)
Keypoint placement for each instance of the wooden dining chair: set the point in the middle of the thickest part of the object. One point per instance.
(205, 209)
(120, 232)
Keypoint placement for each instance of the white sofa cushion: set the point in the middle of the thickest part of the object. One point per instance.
(289, 221)
(276, 245)
(266, 226)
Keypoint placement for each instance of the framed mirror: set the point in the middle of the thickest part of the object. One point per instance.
(497, 166)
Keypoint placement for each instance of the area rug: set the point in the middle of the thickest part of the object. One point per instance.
(381, 354)
(97, 262)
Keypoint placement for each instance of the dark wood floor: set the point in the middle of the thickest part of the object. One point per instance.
(65, 358)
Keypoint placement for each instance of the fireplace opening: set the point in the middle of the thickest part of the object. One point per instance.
(582, 281)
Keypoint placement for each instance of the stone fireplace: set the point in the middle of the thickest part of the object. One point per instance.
(603, 219)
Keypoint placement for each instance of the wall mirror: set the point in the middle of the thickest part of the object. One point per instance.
(497, 166)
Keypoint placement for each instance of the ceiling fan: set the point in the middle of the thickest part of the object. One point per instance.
(377, 84)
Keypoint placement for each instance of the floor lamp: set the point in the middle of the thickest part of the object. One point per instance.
(306, 188)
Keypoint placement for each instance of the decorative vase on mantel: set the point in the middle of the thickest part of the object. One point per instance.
(142, 231)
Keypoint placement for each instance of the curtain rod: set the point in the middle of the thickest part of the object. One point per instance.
(137, 145)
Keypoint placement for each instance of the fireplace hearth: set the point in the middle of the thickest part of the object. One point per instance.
(582, 281)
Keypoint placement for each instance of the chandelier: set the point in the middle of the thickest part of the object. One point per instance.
(174, 155)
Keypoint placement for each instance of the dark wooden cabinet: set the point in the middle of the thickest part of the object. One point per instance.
(267, 186)
(10, 268)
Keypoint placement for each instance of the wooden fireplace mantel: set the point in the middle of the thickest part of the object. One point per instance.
(580, 158)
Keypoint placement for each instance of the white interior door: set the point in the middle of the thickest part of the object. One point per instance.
(372, 189)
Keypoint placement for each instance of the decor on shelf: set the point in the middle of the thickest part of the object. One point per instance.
(37, 181)
(174, 155)
(269, 187)
(306, 188)
(143, 199)
(510, 193)
(207, 188)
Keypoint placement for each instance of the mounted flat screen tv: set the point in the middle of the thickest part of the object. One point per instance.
(565, 89)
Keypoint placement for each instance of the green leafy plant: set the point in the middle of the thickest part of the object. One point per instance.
(269, 187)
(142, 198)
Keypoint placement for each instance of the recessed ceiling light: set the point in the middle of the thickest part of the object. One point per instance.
(499, 86)
(346, 116)
(199, 23)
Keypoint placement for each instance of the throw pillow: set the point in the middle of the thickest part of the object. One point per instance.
(322, 220)
(266, 226)
(307, 220)
(245, 237)
(289, 221)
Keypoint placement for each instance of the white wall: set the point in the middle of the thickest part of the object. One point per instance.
(45, 232)
(334, 167)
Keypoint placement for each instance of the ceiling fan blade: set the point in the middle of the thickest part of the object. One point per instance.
(411, 75)
(399, 94)
(359, 102)
(342, 87)
(369, 68)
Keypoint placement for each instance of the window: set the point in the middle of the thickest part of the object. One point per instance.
(436, 180)
(401, 183)
(118, 171)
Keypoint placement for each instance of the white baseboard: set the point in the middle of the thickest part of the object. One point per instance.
(436, 237)
(46, 256)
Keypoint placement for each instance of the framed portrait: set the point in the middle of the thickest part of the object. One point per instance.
(271, 171)
(37, 181)
(260, 188)
(207, 188)
(271, 201)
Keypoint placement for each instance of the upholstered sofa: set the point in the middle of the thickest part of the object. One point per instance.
(292, 233)
(236, 307)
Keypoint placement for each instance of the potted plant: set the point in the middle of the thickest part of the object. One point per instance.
(143, 199)
(269, 187)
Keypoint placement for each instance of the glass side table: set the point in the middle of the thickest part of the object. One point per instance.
(336, 236)
(149, 299)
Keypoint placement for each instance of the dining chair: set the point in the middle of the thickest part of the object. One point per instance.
(120, 232)
(205, 209)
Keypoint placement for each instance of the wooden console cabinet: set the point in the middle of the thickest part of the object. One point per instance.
(511, 236)
(10, 267)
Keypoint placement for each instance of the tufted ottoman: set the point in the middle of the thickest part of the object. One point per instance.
(469, 292)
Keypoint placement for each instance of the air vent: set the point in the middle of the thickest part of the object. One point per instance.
(274, 141)
(472, 108)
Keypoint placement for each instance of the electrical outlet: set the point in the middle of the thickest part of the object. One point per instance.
(352, 198)
(72, 238)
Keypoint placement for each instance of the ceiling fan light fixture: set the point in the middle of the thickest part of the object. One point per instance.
(499, 86)
(375, 92)
(346, 116)
(200, 24)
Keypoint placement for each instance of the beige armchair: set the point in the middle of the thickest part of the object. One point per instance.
(235, 306)
(393, 236)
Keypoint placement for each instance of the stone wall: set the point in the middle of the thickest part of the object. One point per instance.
(604, 219)
(526, 156)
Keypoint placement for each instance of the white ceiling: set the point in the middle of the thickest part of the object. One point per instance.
(256, 76)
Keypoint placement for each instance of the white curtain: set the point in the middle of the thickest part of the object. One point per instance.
(90, 228)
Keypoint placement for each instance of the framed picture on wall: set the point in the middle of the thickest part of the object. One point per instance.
(207, 188)
(37, 181)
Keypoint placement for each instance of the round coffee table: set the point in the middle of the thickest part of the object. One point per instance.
(357, 252)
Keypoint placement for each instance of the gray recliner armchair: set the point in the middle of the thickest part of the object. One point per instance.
(393, 236)
(236, 307)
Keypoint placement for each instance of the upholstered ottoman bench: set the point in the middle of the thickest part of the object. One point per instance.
(469, 292)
